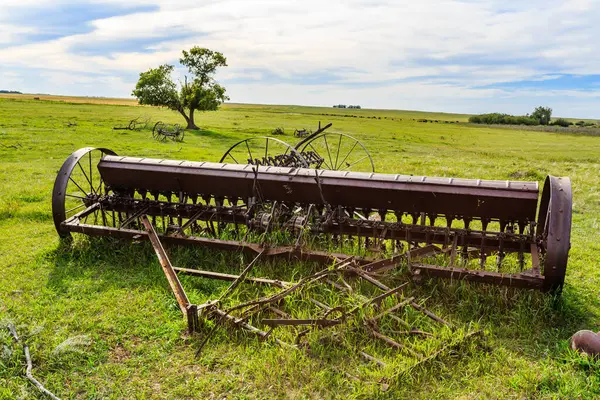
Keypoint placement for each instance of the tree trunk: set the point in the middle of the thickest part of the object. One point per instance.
(190, 121)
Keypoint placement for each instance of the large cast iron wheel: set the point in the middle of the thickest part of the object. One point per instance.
(77, 186)
(554, 228)
(261, 149)
(340, 152)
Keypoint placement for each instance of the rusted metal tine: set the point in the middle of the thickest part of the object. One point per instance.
(412, 303)
(299, 322)
(345, 284)
(535, 259)
(176, 287)
(453, 252)
(277, 311)
(278, 296)
(372, 359)
(373, 300)
(413, 332)
(392, 309)
(230, 277)
(388, 293)
(368, 278)
(386, 339)
(336, 285)
(240, 322)
(431, 315)
(320, 305)
(242, 276)
(304, 225)
(437, 353)
(391, 342)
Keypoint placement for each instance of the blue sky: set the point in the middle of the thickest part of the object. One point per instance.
(454, 56)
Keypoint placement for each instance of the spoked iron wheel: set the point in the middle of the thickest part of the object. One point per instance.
(78, 186)
(340, 152)
(264, 150)
(180, 133)
(156, 131)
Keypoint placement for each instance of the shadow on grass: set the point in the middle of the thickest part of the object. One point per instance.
(207, 134)
(111, 263)
(528, 322)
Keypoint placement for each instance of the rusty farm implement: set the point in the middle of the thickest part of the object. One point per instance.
(268, 199)
(478, 230)
(318, 150)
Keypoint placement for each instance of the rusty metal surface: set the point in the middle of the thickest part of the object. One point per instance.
(554, 225)
(507, 200)
(165, 263)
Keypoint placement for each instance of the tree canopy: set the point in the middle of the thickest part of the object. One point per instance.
(542, 114)
(199, 92)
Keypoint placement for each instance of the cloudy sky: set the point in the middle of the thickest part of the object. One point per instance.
(456, 56)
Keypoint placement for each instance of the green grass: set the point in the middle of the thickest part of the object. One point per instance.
(115, 294)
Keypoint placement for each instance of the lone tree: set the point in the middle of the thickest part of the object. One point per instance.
(156, 87)
(542, 114)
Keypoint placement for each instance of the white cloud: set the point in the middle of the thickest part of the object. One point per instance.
(462, 44)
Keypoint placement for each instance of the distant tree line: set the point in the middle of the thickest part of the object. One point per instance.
(10, 91)
(539, 116)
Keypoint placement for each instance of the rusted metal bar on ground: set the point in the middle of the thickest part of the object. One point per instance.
(386, 339)
(277, 311)
(336, 285)
(374, 300)
(230, 277)
(413, 332)
(278, 296)
(394, 308)
(319, 304)
(170, 274)
(243, 324)
(381, 297)
(437, 353)
(300, 322)
(285, 252)
(372, 326)
(431, 315)
(412, 303)
(369, 278)
(372, 359)
(241, 278)
(400, 321)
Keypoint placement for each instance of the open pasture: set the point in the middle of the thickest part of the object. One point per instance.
(130, 340)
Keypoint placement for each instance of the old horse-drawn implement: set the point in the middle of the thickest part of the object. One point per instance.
(320, 150)
(478, 230)
(162, 132)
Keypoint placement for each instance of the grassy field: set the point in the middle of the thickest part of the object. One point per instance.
(126, 338)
